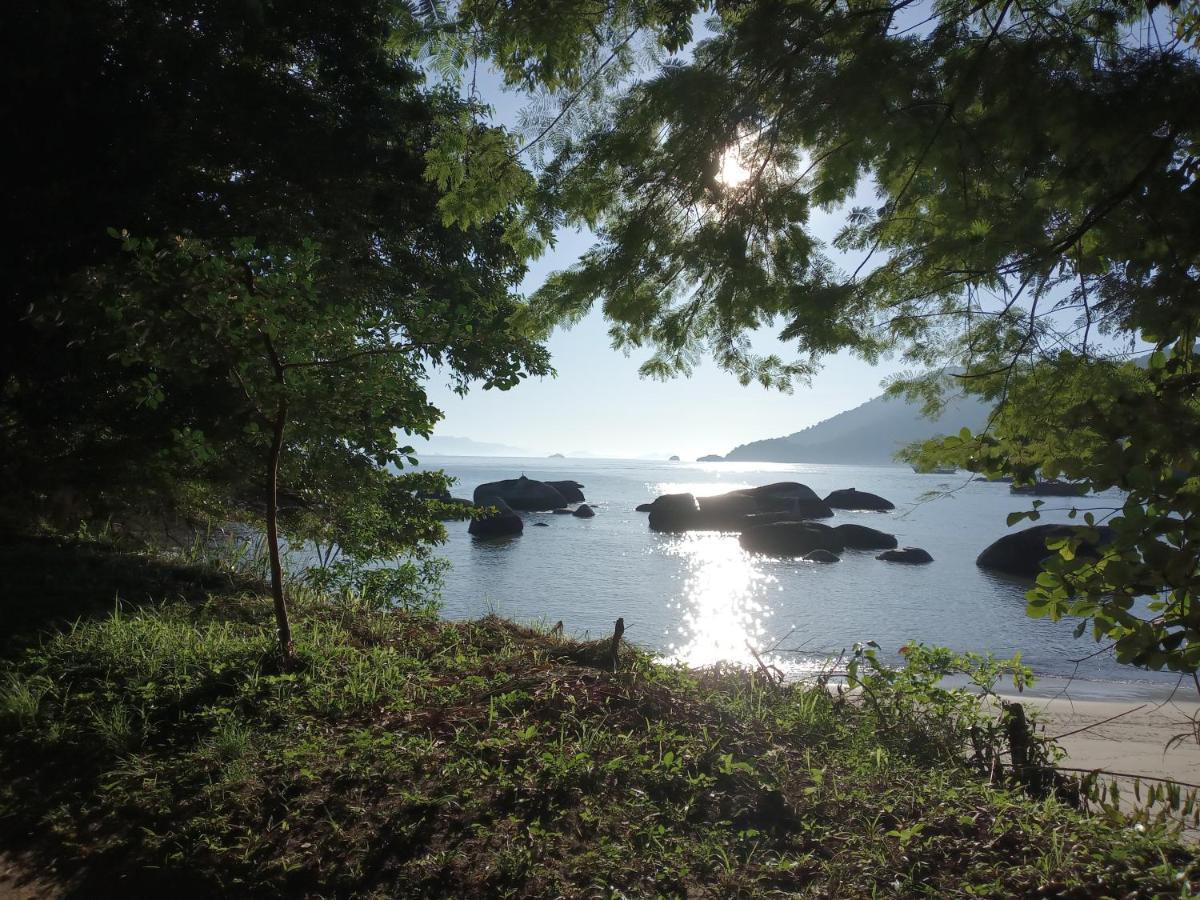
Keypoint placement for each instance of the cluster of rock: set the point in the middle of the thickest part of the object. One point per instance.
(776, 519)
(527, 495)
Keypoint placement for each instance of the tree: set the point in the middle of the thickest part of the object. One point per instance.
(287, 276)
(1036, 173)
(245, 235)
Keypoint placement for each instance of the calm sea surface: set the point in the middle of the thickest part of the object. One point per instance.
(699, 598)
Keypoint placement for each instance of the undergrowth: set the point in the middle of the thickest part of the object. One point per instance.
(159, 749)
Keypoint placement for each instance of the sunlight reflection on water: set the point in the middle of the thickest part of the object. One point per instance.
(721, 604)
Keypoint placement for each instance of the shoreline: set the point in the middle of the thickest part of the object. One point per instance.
(1129, 736)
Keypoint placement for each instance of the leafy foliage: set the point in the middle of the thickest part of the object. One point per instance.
(1035, 174)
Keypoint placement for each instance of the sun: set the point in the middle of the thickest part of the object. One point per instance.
(732, 170)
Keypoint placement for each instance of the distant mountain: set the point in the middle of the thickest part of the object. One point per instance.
(866, 435)
(448, 445)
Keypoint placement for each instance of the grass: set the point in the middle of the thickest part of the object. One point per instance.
(158, 748)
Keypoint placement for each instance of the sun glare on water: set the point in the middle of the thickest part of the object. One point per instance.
(722, 612)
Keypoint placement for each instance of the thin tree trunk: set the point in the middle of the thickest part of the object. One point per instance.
(286, 648)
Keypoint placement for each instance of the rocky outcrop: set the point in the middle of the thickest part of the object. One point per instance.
(911, 555)
(851, 498)
(674, 512)
(583, 511)
(711, 457)
(502, 523)
(644, 507)
(792, 497)
(791, 539)
(571, 490)
(1021, 553)
(541, 524)
(737, 510)
(822, 556)
(860, 537)
(521, 493)
(673, 459)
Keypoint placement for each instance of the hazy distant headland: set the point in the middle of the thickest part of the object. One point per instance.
(869, 434)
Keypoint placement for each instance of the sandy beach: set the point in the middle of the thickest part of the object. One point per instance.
(1133, 737)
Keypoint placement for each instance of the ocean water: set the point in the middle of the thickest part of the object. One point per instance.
(699, 598)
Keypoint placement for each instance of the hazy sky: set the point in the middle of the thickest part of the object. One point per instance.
(600, 405)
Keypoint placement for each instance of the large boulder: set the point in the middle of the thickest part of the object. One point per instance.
(674, 512)
(520, 493)
(851, 498)
(791, 539)
(790, 496)
(737, 510)
(1021, 553)
(911, 555)
(860, 537)
(644, 507)
(725, 512)
(502, 523)
(571, 490)
(583, 511)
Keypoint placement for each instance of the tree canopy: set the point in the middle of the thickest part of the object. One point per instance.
(245, 234)
(1035, 173)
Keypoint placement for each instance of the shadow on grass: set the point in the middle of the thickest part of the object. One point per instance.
(50, 581)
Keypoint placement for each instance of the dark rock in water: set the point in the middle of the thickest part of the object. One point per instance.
(724, 512)
(791, 539)
(1051, 487)
(501, 523)
(770, 518)
(822, 556)
(790, 496)
(644, 507)
(736, 510)
(584, 512)
(1021, 553)
(562, 512)
(521, 493)
(860, 537)
(673, 459)
(541, 525)
(571, 490)
(912, 555)
(782, 491)
(850, 498)
(674, 512)
(712, 457)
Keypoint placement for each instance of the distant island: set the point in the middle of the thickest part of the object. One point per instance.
(712, 457)
(673, 459)
(869, 434)
(557, 456)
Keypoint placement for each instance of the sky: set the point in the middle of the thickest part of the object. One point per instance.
(599, 405)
